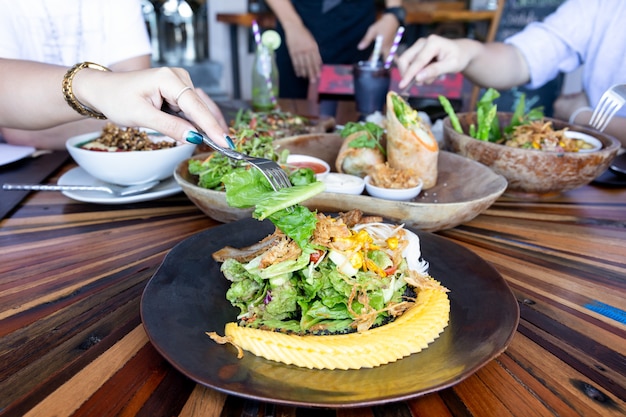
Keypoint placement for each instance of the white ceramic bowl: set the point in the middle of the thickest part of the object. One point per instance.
(128, 168)
(392, 193)
(595, 144)
(344, 183)
(319, 166)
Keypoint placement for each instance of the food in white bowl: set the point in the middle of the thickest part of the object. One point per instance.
(392, 193)
(587, 142)
(344, 183)
(320, 167)
(128, 167)
(541, 135)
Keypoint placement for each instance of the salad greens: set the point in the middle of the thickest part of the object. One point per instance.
(324, 287)
(212, 170)
(407, 115)
(275, 123)
(370, 137)
(247, 188)
(487, 127)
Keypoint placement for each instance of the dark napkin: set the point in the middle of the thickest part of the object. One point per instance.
(27, 171)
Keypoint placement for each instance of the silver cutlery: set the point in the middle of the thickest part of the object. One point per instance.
(611, 101)
(273, 172)
(115, 190)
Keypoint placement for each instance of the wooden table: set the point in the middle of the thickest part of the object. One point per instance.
(72, 341)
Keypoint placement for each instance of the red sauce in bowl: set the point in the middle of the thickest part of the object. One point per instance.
(317, 168)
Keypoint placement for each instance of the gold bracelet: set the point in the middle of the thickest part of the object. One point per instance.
(68, 93)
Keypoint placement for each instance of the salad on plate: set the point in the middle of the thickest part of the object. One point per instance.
(326, 292)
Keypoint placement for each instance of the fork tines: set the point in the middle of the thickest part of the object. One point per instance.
(276, 176)
(610, 102)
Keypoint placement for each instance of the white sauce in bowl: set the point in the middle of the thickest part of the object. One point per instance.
(344, 183)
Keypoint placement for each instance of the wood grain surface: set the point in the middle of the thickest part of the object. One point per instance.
(72, 341)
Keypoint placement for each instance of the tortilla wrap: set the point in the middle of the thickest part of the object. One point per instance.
(357, 161)
(412, 148)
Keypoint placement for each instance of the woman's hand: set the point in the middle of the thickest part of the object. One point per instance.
(135, 98)
(428, 58)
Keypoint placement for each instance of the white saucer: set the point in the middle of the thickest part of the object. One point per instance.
(12, 153)
(78, 176)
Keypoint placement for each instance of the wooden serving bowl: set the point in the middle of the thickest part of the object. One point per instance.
(464, 189)
(533, 173)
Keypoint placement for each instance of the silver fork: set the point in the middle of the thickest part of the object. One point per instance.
(611, 101)
(276, 176)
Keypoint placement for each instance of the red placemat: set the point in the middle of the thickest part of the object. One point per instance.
(337, 80)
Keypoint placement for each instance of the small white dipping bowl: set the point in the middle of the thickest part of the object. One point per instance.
(595, 143)
(392, 193)
(128, 167)
(344, 183)
(319, 166)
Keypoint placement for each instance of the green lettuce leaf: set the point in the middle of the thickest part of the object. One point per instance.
(247, 188)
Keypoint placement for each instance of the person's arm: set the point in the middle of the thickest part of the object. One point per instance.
(302, 46)
(494, 64)
(131, 98)
(55, 137)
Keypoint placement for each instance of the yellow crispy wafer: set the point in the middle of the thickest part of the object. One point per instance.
(413, 331)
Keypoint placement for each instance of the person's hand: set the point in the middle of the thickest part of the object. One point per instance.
(304, 52)
(428, 58)
(386, 26)
(135, 98)
(566, 104)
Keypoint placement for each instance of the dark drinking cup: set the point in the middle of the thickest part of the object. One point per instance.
(371, 84)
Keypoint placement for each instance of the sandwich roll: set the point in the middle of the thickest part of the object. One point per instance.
(411, 144)
(357, 160)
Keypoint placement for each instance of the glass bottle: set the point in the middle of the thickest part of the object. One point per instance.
(176, 32)
(150, 19)
(264, 79)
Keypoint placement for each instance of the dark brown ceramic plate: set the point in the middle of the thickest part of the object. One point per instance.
(186, 298)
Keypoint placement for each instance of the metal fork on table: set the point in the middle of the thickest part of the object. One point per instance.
(611, 101)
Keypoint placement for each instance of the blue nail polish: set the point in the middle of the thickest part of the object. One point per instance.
(194, 137)
(230, 142)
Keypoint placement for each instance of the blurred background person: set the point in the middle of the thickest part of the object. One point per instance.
(578, 33)
(317, 32)
(65, 32)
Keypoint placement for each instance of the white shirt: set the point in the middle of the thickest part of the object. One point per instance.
(66, 32)
(586, 32)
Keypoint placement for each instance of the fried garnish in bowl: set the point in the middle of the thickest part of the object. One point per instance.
(541, 135)
(384, 176)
